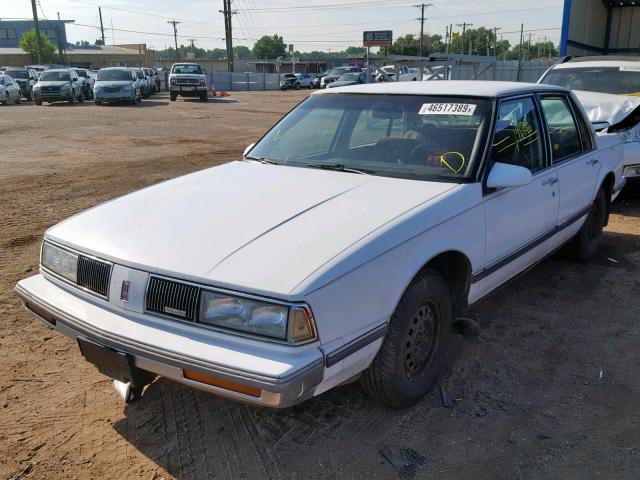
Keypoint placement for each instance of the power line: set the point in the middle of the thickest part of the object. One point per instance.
(332, 6)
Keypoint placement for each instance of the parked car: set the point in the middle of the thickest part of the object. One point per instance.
(289, 81)
(26, 78)
(56, 85)
(349, 79)
(406, 74)
(9, 90)
(187, 80)
(143, 82)
(335, 73)
(117, 84)
(607, 87)
(344, 243)
(317, 79)
(305, 80)
(84, 76)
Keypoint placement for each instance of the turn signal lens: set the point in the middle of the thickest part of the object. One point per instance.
(300, 324)
(222, 383)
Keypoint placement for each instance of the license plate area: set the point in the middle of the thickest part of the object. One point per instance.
(188, 89)
(112, 363)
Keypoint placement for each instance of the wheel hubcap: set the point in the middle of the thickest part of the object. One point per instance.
(421, 340)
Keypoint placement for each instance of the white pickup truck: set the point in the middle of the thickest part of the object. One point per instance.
(406, 74)
(187, 80)
(342, 245)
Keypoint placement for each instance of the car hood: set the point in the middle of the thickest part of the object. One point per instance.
(50, 83)
(605, 107)
(244, 225)
(344, 83)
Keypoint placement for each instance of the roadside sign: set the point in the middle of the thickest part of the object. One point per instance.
(378, 38)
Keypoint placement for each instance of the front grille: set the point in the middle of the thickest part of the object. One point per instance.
(187, 81)
(94, 275)
(111, 89)
(175, 299)
(50, 89)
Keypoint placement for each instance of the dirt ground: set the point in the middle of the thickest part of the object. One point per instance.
(549, 388)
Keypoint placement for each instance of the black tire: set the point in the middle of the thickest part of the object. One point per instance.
(72, 100)
(172, 96)
(311, 86)
(412, 352)
(204, 97)
(38, 101)
(97, 102)
(588, 238)
(297, 87)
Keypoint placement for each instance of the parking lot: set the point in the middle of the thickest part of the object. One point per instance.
(547, 389)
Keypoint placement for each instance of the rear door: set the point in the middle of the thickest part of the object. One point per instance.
(572, 154)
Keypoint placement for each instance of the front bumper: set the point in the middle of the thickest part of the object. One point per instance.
(121, 96)
(285, 375)
(188, 90)
(53, 97)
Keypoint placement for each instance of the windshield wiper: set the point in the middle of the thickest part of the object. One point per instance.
(261, 160)
(337, 167)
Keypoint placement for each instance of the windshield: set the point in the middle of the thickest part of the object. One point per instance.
(415, 137)
(50, 76)
(113, 75)
(337, 71)
(192, 69)
(21, 74)
(82, 73)
(1, 80)
(616, 80)
(349, 77)
(139, 74)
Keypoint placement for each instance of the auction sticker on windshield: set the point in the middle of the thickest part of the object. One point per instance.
(466, 109)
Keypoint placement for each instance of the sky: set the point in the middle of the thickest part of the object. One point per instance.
(310, 25)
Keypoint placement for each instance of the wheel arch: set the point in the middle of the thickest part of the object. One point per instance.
(608, 184)
(455, 268)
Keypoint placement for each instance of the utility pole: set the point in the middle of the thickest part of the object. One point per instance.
(529, 48)
(101, 26)
(37, 27)
(113, 35)
(175, 37)
(464, 29)
(422, 6)
(495, 41)
(227, 12)
(521, 40)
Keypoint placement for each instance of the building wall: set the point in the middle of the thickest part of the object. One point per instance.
(595, 27)
(11, 31)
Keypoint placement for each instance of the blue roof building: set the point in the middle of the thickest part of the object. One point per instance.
(11, 31)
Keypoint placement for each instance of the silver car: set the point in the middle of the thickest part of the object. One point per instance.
(9, 90)
(58, 85)
(116, 84)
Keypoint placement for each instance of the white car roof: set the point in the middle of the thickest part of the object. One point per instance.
(598, 63)
(472, 88)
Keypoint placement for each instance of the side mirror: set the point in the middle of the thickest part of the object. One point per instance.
(247, 150)
(504, 175)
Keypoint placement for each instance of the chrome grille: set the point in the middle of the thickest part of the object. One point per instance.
(94, 275)
(175, 299)
(187, 81)
(111, 89)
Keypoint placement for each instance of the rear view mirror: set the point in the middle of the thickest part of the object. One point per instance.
(386, 111)
(504, 175)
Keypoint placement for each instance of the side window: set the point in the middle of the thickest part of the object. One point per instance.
(563, 131)
(517, 139)
(585, 131)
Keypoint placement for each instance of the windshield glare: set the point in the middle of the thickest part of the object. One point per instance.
(21, 74)
(113, 75)
(1, 80)
(188, 69)
(614, 80)
(349, 77)
(82, 73)
(414, 137)
(55, 76)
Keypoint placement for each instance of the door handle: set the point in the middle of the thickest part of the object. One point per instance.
(593, 161)
(550, 181)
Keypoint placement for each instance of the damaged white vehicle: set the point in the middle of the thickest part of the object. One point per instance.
(343, 245)
(608, 88)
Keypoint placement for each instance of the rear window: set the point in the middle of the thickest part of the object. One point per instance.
(187, 69)
(21, 74)
(617, 80)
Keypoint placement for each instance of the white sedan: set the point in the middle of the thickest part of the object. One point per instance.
(343, 245)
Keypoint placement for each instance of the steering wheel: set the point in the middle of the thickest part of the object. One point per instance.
(417, 155)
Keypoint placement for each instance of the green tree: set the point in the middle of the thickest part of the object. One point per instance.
(410, 45)
(99, 41)
(28, 43)
(241, 52)
(475, 41)
(269, 47)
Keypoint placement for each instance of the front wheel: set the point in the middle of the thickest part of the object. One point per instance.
(72, 100)
(588, 238)
(204, 97)
(38, 101)
(173, 96)
(297, 87)
(81, 97)
(412, 352)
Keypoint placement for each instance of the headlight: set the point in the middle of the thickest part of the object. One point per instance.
(97, 87)
(36, 86)
(173, 81)
(66, 87)
(291, 323)
(60, 261)
(203, 82)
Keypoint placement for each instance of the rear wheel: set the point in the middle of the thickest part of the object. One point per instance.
(414, 348)
(173, 96)
(38, 101)
(204, 97)
(588, 238)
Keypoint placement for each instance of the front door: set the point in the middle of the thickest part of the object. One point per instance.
(518, 218)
